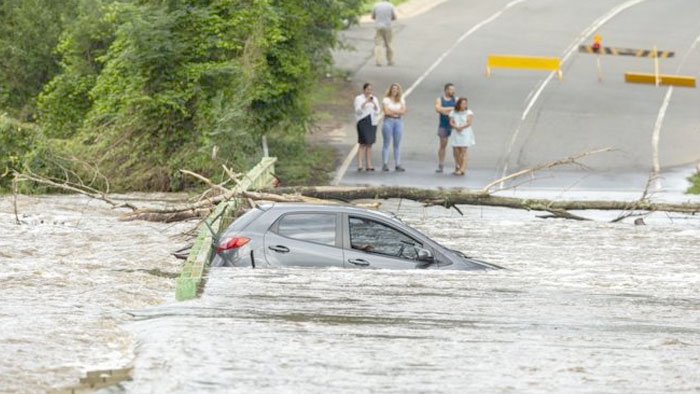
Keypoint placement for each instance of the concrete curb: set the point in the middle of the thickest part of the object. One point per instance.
(260, 176)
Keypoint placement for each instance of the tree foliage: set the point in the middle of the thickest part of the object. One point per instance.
(145, 87)
(17, 139)
(28, 35)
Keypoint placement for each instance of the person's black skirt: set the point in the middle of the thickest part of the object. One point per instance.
(366, 133)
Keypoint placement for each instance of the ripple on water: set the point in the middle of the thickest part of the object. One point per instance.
(62, 299)
(583, 307)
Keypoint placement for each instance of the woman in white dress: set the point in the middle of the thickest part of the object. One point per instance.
(461, 119)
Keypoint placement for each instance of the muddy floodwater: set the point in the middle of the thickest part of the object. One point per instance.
(584, 307)
(69, 274)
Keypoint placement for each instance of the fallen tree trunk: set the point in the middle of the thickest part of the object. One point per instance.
(275, 195)
(324, 194)
(449, 198)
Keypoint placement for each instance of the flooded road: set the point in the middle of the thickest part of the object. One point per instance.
(68, 277)
(584, 307)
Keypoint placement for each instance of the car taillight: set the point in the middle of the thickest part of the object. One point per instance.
(233, 243)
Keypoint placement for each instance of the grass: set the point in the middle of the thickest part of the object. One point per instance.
(695, 180)
(310, 160)
(328, 97)
(367, 5)
(301, 163)
(17, 138)
(323, 96)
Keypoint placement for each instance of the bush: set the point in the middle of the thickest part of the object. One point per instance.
(695, 187)
(17, 140)
(300, 163)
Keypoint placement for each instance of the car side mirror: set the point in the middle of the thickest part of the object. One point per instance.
(425, 255)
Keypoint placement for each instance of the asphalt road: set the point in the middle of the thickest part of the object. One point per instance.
(522, 117)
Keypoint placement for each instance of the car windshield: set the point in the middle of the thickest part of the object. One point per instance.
(374, 237)
(461, 254)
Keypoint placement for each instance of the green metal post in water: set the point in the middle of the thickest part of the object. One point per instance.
(260, 176)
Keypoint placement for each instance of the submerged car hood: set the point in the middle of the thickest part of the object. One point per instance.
(471, 260)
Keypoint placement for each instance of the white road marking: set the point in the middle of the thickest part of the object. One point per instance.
(656, 134)
(348, 159)
(573, 47)
(471, 31)
(344, 167)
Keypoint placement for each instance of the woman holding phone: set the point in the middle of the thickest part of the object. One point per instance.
(367, 116)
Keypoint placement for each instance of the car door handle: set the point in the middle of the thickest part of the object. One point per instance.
(360, 262)
(279, 249)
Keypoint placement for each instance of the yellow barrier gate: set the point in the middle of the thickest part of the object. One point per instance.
(661, 79)
(656, 78)
(524, 62)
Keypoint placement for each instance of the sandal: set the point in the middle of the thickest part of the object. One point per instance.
(370, 169)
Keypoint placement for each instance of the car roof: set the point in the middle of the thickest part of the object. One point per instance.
(299, 207)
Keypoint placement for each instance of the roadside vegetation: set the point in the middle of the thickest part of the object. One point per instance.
(135, 90)
(695, 187)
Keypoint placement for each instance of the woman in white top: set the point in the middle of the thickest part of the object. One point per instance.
(367, 117)
(392, 130)
(462, 137)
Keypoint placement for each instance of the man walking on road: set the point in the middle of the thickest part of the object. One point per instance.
(383, 14)
(444, 106)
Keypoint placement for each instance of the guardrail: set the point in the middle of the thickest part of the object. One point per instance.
(95, 380)
(260, 176)
(526, 62)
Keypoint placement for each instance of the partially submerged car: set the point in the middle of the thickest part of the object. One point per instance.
(315, 235)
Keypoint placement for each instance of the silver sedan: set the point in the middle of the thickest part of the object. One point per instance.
(309, 235)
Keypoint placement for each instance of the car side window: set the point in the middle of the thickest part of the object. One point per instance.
(310, 227)
(374, 237)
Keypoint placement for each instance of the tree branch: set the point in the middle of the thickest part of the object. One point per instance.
(30, 176)
(555, 163)
(451, 197)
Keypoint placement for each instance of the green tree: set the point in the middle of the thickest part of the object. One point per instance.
(172, 85)
(28, 35)
(65, 100)
(294, 61)
(142, 88)
(17, 139)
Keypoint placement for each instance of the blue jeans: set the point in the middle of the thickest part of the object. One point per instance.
(392, 129)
